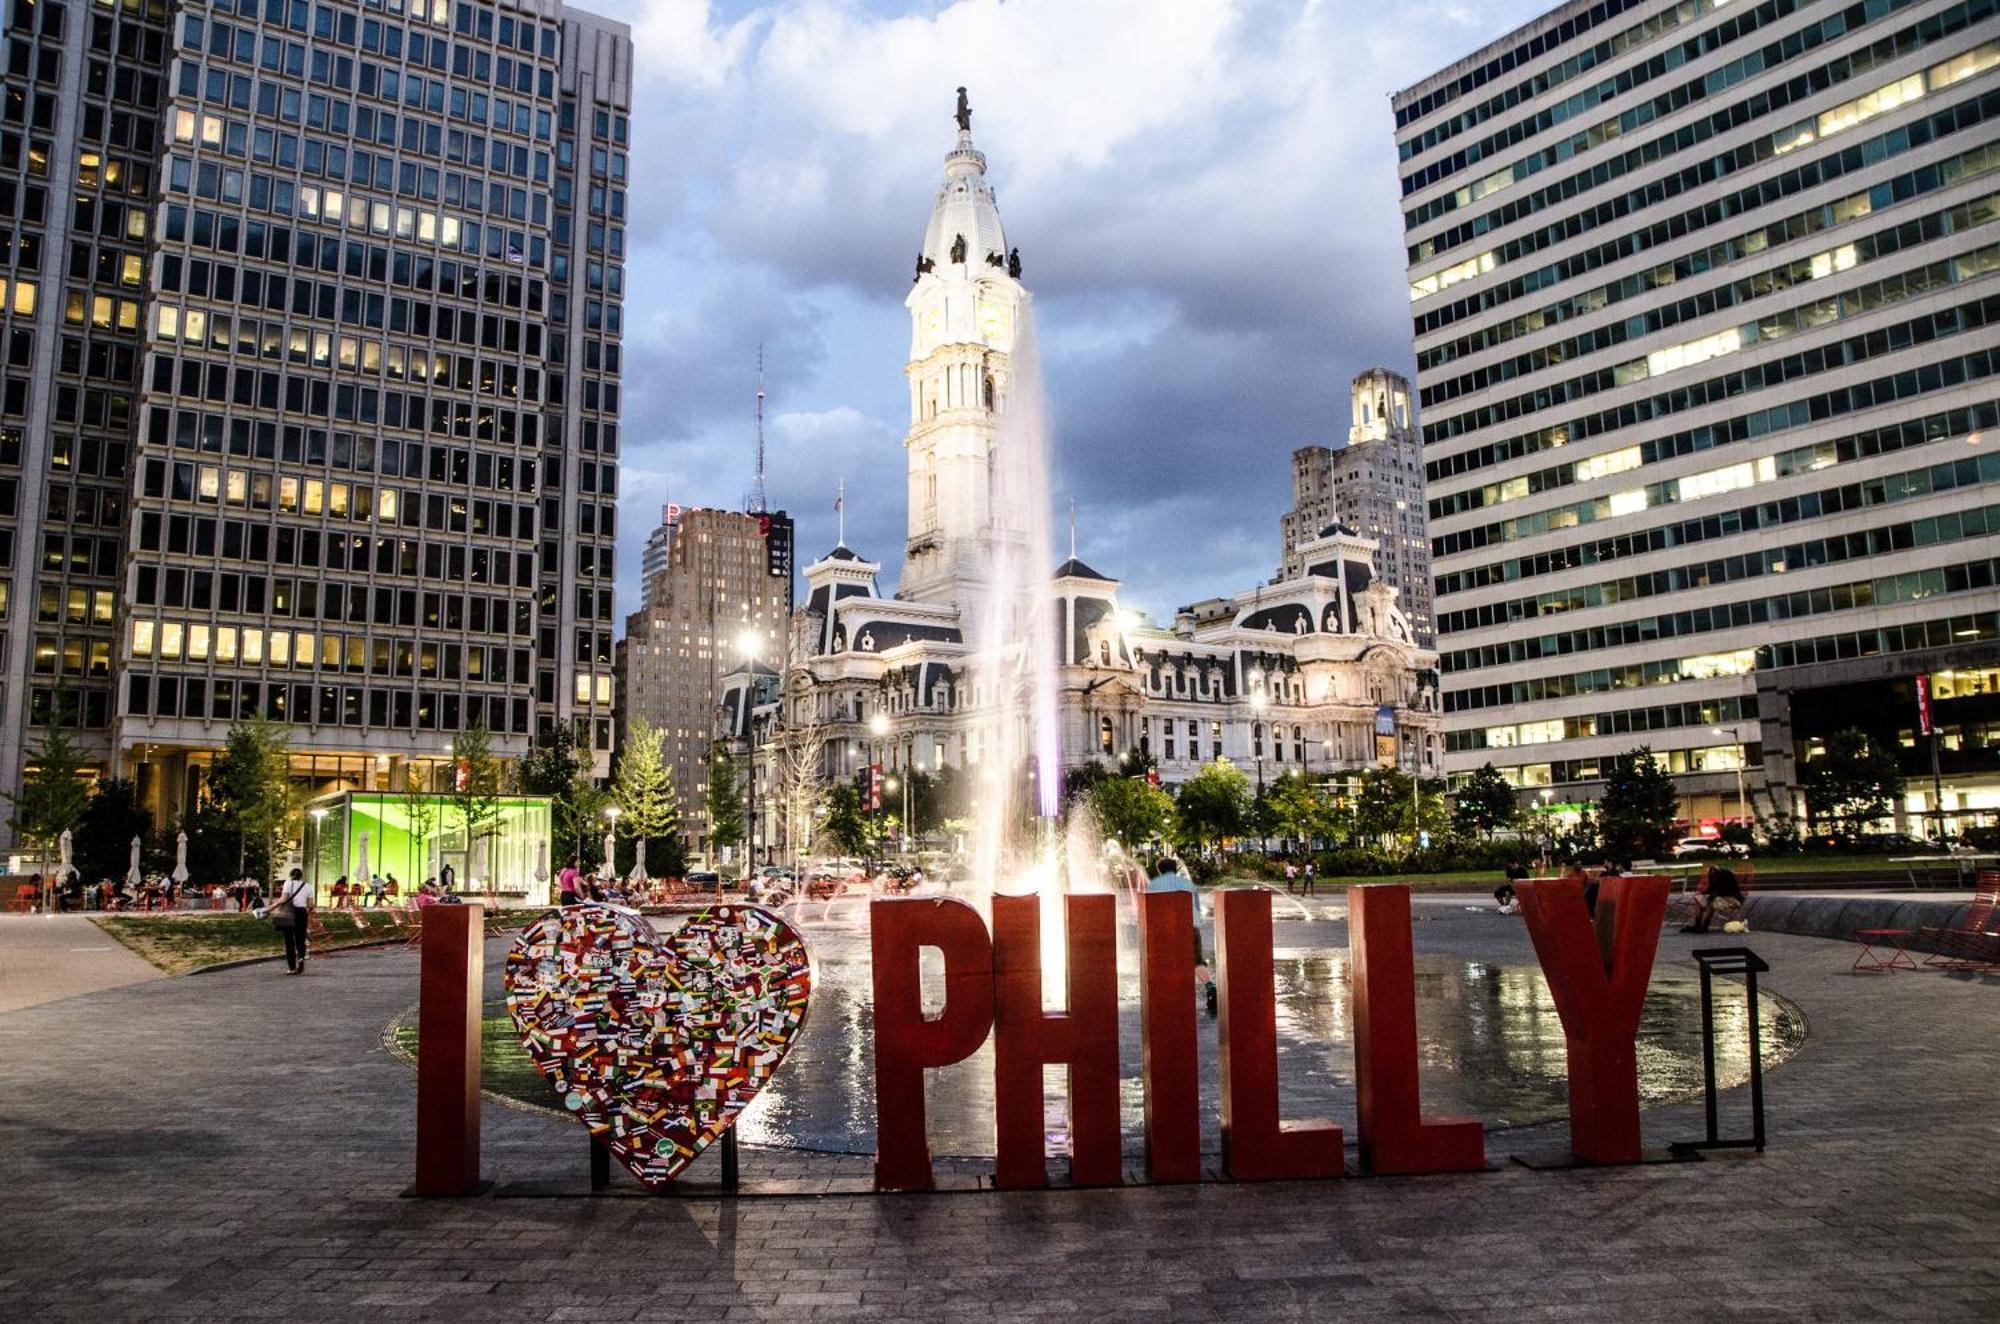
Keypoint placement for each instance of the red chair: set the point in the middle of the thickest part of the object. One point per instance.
(1974, 942)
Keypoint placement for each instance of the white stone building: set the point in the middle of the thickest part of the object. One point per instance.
(1316, 670)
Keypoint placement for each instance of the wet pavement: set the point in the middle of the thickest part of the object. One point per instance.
(1490, 1044)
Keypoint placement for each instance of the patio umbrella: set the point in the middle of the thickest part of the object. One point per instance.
(541, 861)
(605, 871)
(479, 877)
(181, 858)
(360, 863)
(637, 877)
(132, 875)
(65, 867)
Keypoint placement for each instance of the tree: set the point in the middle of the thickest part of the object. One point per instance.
(1082, 779)
(1636, 816)
(1302, 808)
(1213, 804)
(1856, 781)
(1382, 803)
(421, 809)
(104, 832)
(476, 784)
(554, 767)
(724, 800)
(1485, 803)
(847, 824)
(53, 793)
(800, 757)
(250, 784)
(1132, 811)
(644, 793)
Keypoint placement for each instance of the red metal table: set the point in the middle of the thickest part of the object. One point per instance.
(1896, 942)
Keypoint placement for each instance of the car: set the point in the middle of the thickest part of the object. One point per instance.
(704, 880)
(1705, 848)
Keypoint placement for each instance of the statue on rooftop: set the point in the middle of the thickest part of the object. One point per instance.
(964, 112)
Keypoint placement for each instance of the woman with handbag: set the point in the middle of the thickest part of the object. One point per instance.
(291, 914)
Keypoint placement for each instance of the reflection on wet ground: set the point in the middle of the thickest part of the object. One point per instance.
(1489, 1041)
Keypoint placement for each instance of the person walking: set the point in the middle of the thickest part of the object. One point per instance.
(447, 878)
(566, 882)
(292, 914)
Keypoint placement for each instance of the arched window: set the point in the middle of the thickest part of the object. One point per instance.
(1104, 740)
(989, 390)
(1104, 651)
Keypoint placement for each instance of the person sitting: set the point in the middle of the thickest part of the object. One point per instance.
(1505, 897)
(340, 892)
(1718, 890)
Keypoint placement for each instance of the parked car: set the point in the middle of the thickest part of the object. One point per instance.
(1706, 848)
(704, 880)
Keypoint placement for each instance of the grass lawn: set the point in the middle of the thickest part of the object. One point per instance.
(178, 943)
(504, 1066)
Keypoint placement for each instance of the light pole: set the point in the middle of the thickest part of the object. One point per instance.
(890, 784)
(1259, 701)
(748, 643)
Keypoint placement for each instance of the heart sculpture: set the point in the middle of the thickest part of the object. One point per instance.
(658, 1046)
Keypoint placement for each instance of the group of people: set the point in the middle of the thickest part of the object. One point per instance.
(379, 890)
(1301, 879)
(72, 895)
(1718, 893)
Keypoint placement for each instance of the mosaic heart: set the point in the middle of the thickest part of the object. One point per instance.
(657, 1045)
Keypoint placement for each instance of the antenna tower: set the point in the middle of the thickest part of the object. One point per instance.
(759, 503)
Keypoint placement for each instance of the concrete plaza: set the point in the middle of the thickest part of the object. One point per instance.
(232, 1146)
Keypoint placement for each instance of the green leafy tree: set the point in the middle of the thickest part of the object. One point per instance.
(1136, 762)
(847, 823)
(102, 838)
(1636, 816)
(53, 793)
(1301, 808)
(420, 808)
(648, 809)
(556, 767)
(1855, 782)
(1080, 780)
(250, 784)
(1485, 803)
(1132, 811)
(1213, 804)
(477, 779)
(1382, 803)
(724, 800)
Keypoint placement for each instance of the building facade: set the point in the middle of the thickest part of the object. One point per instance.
(1705, 303)
(1374, 485)
(316, 401)
(1315, 671)
(726, 583)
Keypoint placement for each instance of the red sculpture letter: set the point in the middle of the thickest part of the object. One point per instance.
(1167, 1024)
(449, 980)
(1083, 1038)
(1395, 1137)
(1255, 1145)
(1598, 977)
(906, 1042)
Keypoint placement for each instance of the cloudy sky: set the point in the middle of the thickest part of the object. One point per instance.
(1203, 192)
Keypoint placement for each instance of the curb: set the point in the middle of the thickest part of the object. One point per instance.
(238, 964)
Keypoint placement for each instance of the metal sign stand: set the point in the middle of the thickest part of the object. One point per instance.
(1729, 961)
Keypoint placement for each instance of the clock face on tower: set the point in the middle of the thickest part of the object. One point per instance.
(996, 321)
(933, 323)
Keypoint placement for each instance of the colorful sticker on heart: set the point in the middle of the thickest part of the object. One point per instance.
(657, 1045)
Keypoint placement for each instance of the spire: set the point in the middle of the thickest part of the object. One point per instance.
(759, 503)
(1072, 528)
(840, 510)
(964, 236)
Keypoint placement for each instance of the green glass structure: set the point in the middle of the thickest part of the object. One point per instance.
(411, 837)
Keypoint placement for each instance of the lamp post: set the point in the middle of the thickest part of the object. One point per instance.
(749, 643)
(890, 784)
(878, 727)
(1259, 701)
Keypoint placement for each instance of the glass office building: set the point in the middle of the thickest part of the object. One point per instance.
(311, 406)
(1705, 307)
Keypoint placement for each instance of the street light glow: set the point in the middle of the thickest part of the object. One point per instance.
(611, 812)
(748, 642)
(879, 724)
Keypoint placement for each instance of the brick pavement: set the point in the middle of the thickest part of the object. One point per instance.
(231, 1148)
(46, 957)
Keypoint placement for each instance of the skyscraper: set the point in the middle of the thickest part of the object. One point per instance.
(1375, 486)
(1705, 320)
(314, 354)
(726, 573)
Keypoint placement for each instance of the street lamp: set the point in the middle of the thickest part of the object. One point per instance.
(890, 784)
(611, 813)
(1742, 757)
(1259, 701)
